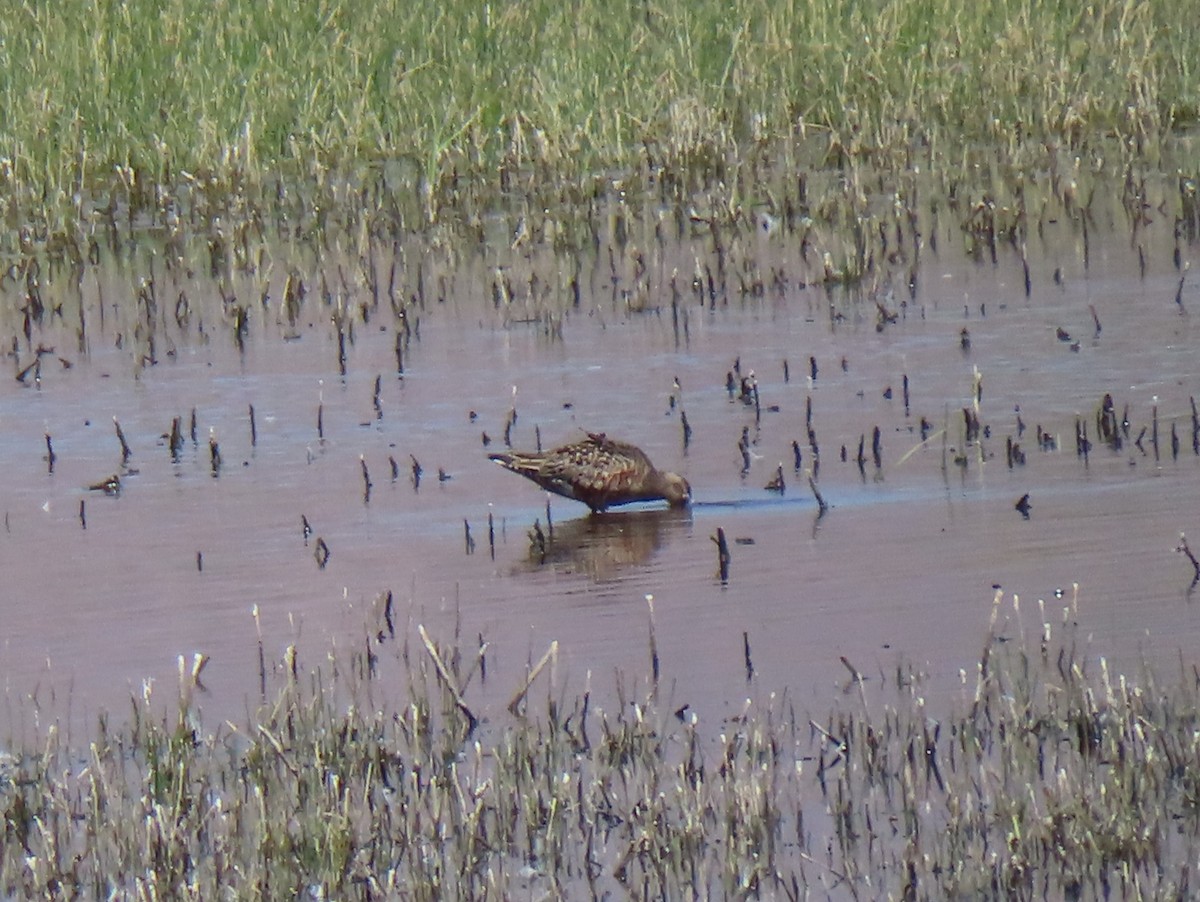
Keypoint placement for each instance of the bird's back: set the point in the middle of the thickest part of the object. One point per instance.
(599, 471)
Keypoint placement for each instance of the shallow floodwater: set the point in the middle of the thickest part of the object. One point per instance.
(902, 568)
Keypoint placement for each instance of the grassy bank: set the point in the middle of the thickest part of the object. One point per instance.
(99, 93)
(1051, 777)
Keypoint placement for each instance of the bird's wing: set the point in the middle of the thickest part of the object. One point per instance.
(602, 465)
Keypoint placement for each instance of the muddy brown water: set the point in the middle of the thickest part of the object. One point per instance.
(901, 568)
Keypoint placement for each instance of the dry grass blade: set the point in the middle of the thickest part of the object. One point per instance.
(550, 655)
(447, 679)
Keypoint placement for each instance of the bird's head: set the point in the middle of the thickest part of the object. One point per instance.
(676, 490)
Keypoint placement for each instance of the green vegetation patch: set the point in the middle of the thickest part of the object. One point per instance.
(154, 92)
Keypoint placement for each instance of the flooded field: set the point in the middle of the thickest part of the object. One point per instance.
(293, 489)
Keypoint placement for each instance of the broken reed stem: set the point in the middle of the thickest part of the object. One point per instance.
(477, 661)
(653, 643)
(280, 751)
(821, 505)
(126, 451)
(1195, 425)
(723, 557)
(448, 680)
(777, 483)
(176, 439)
(1183, 548)
(262, 659)
(515, 702)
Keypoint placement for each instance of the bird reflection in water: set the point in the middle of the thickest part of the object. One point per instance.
(600, 546)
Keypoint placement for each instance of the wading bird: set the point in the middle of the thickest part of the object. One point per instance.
(599, 471)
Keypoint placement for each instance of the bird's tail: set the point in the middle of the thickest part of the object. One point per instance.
(523, 464)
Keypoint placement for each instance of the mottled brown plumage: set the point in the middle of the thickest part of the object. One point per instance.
(599, 471)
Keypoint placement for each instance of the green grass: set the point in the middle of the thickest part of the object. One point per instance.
(241, 90)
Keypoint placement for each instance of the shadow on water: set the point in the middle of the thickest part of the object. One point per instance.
(603, 546)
